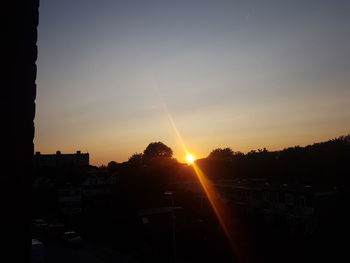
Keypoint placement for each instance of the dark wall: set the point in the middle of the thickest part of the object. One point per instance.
(18, 89)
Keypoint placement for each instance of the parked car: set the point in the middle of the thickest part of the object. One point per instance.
(38, 253)
(71, 238)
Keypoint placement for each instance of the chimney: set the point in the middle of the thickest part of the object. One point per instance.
(37, 153)
(78, 152)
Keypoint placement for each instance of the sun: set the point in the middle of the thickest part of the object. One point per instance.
(190, 158)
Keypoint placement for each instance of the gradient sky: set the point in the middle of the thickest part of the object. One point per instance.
(239, 74)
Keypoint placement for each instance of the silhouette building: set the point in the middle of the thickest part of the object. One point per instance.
(59, 159)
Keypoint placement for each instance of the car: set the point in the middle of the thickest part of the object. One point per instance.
(71, 238)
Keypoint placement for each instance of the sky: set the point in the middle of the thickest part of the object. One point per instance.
(240, 74)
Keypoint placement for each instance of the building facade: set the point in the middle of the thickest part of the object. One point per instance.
(59, 159)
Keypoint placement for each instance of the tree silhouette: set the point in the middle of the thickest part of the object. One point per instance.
(113, 166)
(158, 149)
(221, 154)
(136, 159)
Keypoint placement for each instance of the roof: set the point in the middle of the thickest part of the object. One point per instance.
(263, 184)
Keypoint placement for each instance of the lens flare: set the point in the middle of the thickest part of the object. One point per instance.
(208, 187)
(210, 192)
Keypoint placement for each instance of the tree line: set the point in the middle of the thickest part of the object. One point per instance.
(325, 162)
(147, 174)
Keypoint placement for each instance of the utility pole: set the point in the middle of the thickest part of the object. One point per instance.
(173, 224)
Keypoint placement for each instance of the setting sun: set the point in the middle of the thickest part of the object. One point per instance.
(190, 159)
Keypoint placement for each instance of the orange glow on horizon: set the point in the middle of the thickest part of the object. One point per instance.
(190, 158)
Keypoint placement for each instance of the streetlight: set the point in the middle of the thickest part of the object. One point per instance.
(169, 193)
